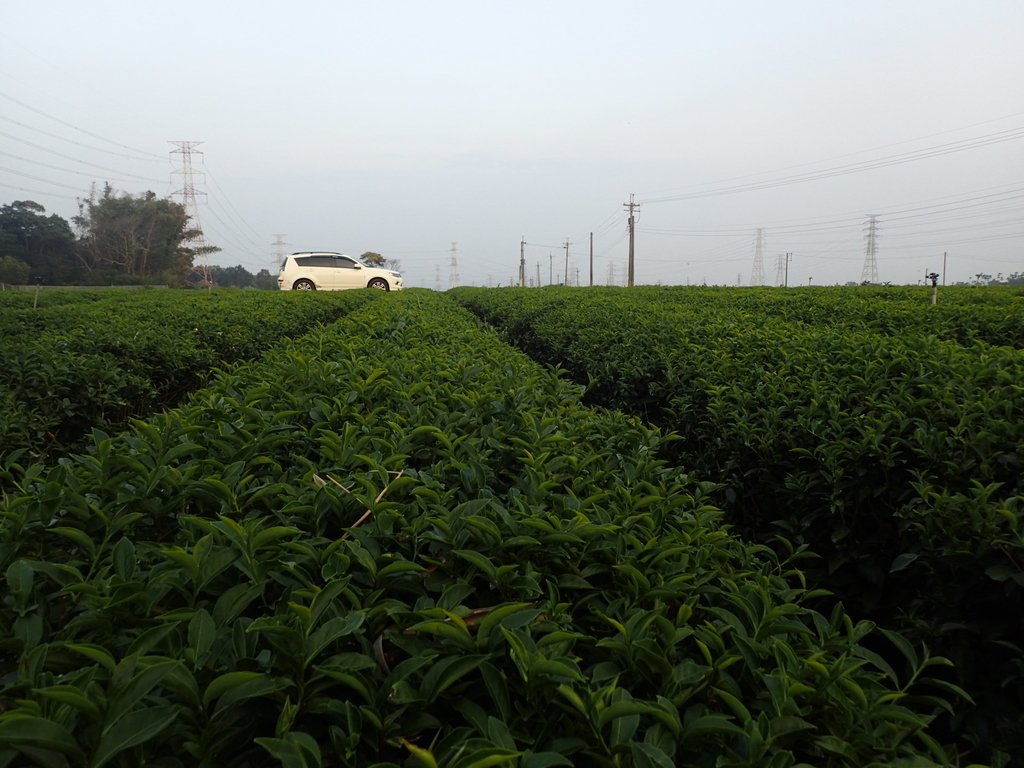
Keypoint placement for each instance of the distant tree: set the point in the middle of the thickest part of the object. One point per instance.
(44, 243)
(265, 281)
(232, 277)
(13, 271)
(135, 237)
(982, 278)
(374, 259)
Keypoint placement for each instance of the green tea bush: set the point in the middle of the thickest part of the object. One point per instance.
(72, 361)
(892, 453)
(396, 541)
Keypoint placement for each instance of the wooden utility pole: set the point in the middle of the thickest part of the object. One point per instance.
(522, 263)
(591, 259)
(566, 273)
(631, 206)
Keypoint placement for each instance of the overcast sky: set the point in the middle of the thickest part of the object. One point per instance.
(406, 127)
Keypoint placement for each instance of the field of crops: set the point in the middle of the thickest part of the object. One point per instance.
(74, 361)
(881, 433)
(396, 540)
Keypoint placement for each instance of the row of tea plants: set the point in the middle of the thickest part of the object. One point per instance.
(396, 541)
(71, 361)
(891, 453)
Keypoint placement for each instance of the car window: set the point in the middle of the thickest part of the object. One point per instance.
(314, 261)
(343, 262)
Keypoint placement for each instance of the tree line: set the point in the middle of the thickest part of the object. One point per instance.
(116, 239)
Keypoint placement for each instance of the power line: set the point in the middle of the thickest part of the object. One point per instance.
(76, 160)
(866, 150)
(37, 191)
(998, 137)
(62, 168)
(76, 128)
(78, 143)
(797, 227)
(39, 178)
(259, 237)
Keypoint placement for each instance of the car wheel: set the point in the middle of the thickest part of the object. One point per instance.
(304, 285)
(379, 282)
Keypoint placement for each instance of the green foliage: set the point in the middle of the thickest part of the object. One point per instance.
(76, 361)
(374, 259)
(396, 541)
(239, 277)
(13, 271)
(866, 427)
(131, 235)
(45, 244)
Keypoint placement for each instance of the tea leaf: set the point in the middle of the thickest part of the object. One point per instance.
(131, 730)
(30, 732)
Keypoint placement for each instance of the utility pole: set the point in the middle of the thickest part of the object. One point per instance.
(591, 259)
(538, 274)
(631, 206)
(522, 263)
(757, 276)
(870, 272)
(550, 267)
(782, 269)
(195, 241)
(944, 269)
(453, 273)
(566, 273)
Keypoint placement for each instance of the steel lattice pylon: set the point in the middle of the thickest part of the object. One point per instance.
(188, 194)
(870, 271)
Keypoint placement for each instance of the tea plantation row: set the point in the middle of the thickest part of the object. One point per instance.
(396, 541)
(855, 431)
(71, 361)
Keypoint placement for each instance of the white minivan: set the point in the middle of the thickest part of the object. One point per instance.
(330, 271)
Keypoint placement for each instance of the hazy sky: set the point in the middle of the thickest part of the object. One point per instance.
(404, 127)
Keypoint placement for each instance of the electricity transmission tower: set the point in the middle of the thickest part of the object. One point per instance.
(453, 271)
(437, 278)
(188, 195)
(522, 263)
(870, 272)
(757, 276)
(279, 246)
